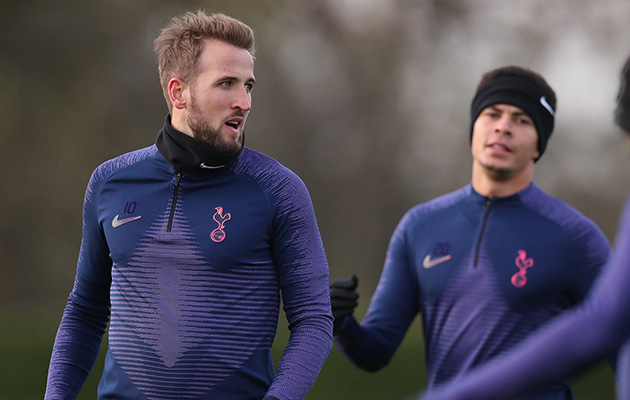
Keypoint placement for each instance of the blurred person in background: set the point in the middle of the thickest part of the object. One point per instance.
(488, 264)
(189, 244)
(578, 338)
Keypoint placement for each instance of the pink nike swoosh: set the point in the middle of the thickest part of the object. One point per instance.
(429, 263)
(117, 222)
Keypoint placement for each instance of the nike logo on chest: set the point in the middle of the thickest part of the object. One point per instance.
(429, 262)
(116, 222)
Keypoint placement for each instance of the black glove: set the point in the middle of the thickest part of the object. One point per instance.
(343, 298)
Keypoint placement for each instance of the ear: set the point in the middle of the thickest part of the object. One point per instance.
(176, 88)
(536, 155)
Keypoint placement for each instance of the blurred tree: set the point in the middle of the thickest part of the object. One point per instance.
(366, 100)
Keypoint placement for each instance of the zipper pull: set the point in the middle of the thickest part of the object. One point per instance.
(169, 225)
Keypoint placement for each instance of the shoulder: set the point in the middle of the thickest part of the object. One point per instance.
(123, 161)
(442, 204)
(557, 212)
(439, 211)
(284, 192)
(110, 167)
(268, 173)
(253, 162)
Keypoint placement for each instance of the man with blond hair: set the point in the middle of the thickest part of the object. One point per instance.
(189, 245)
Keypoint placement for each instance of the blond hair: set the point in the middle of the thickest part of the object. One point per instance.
(180, 42)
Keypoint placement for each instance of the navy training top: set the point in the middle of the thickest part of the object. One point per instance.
(192, 264)
(570, 343)
(483, 273)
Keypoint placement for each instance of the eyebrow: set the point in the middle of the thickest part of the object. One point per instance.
(515, 113)
(233, 78)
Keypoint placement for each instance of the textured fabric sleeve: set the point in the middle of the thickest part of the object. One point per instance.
(573, 341)
(303, 278)
(623, 371)
(393, 307)
(592, 252)
(87, 311)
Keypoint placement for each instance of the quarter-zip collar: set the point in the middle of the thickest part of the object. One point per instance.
(505, 200)
(487, 203)
(187, 153)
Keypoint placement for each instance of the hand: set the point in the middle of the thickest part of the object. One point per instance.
(343, 298)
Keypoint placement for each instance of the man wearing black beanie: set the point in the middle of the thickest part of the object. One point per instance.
(488, 264)
(521, 88)
(512, 118)
(578, 338)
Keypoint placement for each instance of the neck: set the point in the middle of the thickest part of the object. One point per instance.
(187, 153)
(493, 183)
(178, 121)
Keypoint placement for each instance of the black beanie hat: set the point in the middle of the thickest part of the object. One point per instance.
(622, 113)
(521, 92)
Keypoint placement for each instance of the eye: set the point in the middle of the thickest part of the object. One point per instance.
(226, 83)
(523, 121)
(492, 114)
(249, 86)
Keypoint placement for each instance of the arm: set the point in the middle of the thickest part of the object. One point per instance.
(573, 341)
(303, 278)
(623, 371)
(393, 307)
(86, 314)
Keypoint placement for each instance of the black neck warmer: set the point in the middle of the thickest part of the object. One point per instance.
(187, 153)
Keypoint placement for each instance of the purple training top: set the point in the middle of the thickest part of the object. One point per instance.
(483, 273)
(192, 266)
(575, 340)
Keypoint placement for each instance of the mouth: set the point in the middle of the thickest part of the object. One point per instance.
(235, 123)
(498, 146)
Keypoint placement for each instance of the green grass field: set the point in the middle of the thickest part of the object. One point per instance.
(26, 342)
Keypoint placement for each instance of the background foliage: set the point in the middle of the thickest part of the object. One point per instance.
(366, 100)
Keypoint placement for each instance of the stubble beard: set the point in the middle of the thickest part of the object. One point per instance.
(202, 130)
(497, 174)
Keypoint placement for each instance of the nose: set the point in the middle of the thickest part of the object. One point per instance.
(242, 99)
(503, 125)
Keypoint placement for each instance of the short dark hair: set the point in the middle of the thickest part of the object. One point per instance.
(526, 73)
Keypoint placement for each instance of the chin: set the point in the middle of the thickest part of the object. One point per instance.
(497, 171)
(231, 146)
(502, 175)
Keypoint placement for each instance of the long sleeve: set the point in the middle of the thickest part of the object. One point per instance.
(568, 344)
(303, 280)
(193, 278)
(87, 311)
(371, 344)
